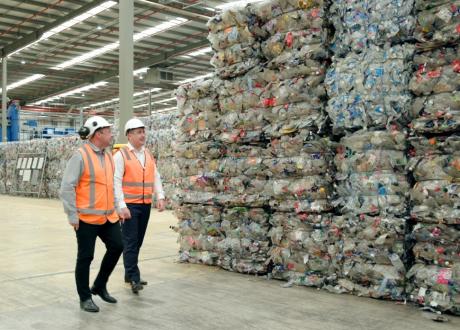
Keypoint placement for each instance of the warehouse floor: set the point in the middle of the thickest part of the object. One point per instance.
(38, 291)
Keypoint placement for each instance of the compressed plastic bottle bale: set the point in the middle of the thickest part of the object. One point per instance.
(197, 136)
(303, 249)
(362, 141)
(254, 79)
(437, 23)
(311, 187)
(203, 183)
(296, 47)
(251, 119)
(362, 23)
(438, 72)
(369, 151)
(373, 193)
(305, 19)
(199, 249)
(197, 219)
(301, 205)
(436, 81)
(234, 55)
(436, 108)
(209, 149)
(201, 122)
(435, 286)
(436, 244)
(242, 136)
(299, 110)
(315, 122)
(240, 102)
(434, 145)
(370, 89)
(304, 141)
(436, 194)
(230, 36)
(371, 239)
(244, 222)
(435, 201)
(348, 161)
(204, 198)
(195, 106)
(237, 69)
(245, 247)
(375, 281)
(229, 17)
(232, 200)
(438, 167)
(294, 90)
(300, 166)
(267, 10)
(197, 89)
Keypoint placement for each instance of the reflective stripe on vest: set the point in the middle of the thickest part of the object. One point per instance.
(138, 182)
(95, 199)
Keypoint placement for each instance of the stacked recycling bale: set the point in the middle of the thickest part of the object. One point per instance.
(236, 49)
(369, 105)
(161, 135)
(372, 189)
(361, 23)
(198, 213)
(294, 38)
(244, 189)
(434, 280)
(59, 151)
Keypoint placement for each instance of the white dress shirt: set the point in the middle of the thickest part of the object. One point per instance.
(120, 171)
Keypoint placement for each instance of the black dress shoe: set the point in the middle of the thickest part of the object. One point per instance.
(104, 295)
(136, 287)
(141, 282)
(89, 306)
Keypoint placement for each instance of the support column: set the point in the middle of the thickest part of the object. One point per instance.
(4, 95)
(126, 60)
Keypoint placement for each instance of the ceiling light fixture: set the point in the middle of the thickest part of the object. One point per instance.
(23, 81)
(71, 92)
(80, 18)
(138, 36)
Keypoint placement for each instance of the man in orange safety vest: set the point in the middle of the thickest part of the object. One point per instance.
(87, 193)
(136, 180)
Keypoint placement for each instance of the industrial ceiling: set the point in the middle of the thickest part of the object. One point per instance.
(63, 54)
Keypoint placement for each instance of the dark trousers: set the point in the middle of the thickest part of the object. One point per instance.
(109, 233)
(133, 232)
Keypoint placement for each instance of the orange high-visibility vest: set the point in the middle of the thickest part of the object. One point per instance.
(138, 182)
(95, 198)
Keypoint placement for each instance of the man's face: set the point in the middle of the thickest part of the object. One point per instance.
(136, 137)
(105, 136)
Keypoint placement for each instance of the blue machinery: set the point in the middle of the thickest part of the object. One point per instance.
(12, 131)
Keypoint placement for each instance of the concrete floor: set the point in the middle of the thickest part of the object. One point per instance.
(37, 289)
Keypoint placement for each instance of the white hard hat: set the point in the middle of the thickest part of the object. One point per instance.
(133, 123)
(95, 122)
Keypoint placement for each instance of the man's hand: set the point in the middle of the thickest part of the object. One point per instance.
(161, 205)
(75, 225)
(124, 214)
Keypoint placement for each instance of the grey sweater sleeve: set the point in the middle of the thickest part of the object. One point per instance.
(70, 179)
